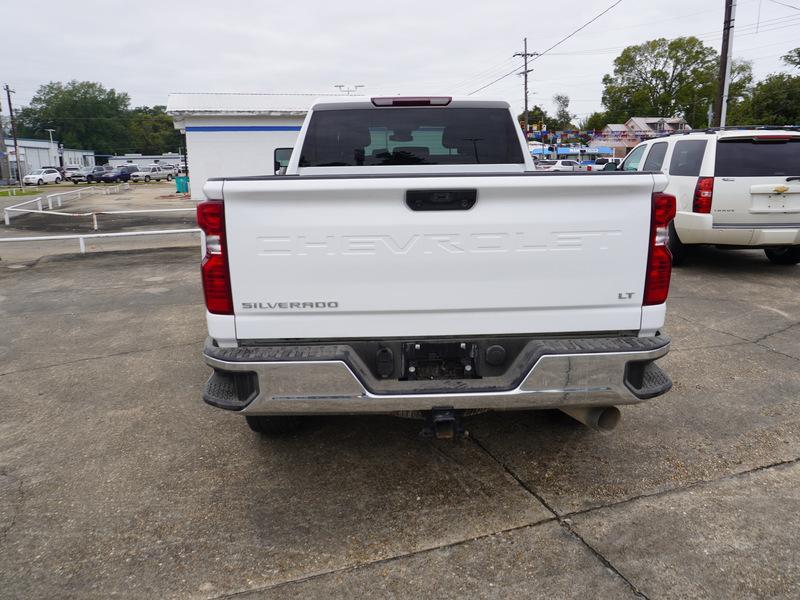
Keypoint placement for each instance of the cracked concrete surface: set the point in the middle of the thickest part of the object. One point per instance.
(116, 480)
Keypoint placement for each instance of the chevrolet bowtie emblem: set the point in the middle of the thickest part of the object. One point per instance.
(779, 189)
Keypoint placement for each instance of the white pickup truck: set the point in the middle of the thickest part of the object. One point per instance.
(411, 261)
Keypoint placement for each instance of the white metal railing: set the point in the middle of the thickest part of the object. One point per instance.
(81, 237)
(94, 215)
(116, 189)
(60, 197)
(85, 191)
(16, 208)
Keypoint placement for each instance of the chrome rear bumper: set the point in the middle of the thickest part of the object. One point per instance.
(323, 380)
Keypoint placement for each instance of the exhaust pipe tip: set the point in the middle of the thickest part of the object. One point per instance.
(601, 418)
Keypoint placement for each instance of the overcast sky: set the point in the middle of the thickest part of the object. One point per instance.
(149, 49)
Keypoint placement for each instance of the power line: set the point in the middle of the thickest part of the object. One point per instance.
(782, 24)
(584, 26)
(493, 82)
(638, 26)
(486, 72)
(558, 43)
(784, 4)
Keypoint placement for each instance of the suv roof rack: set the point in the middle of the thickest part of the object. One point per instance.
(735, 128)
(752, 127)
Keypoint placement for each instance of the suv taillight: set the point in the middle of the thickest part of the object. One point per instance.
(214, 269)
(703, 193)
(659, 258)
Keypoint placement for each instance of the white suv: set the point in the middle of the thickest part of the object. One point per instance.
(558, 165)
(736, 187)
(42, 176)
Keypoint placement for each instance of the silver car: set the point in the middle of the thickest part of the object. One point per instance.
(151, 173)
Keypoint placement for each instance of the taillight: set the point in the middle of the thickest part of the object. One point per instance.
(703, 193)
(659, 258)
(214, 269)
(772, 138)
(411, 101)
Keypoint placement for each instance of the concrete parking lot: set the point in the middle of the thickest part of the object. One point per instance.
(139, 196)
(115, 479)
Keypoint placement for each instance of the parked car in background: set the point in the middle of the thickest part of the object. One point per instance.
(168, 171)
(80, 175)
(736, 188)
(42, 177)
(171, 169)
(600, 163)
(558, 165)
(89, 174)
(151, 173)
(71, 170)
(120, 173)
(58, 168)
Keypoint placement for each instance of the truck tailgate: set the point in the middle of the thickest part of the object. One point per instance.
(345, 257)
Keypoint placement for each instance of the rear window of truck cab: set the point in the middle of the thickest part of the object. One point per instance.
(761, 156)
(410, 136)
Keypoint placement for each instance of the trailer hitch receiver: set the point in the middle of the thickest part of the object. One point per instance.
(444, 424)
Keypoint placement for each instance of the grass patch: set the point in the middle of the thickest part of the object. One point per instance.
(18, 193)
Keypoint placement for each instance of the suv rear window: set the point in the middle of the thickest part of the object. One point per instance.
(749, 158)
(687, 158)
(411, 136)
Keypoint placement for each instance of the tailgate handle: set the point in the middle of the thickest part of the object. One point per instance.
(441, 199)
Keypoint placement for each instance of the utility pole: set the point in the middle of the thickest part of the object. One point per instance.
(5, 168)
(9, 91)
(525, 54)
(724, 80)
(54, 153)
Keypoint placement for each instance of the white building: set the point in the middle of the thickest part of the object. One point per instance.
(80, 158)
(229, 135)
(35, 154)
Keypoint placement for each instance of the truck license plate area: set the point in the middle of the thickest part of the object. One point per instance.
(439, 360)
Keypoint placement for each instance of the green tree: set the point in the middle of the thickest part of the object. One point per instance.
(792, 58)
(595, 121)
(84, 115)
(668, 78)
(563, 118)
(152, 131)
(773, 101)
(536, 116)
